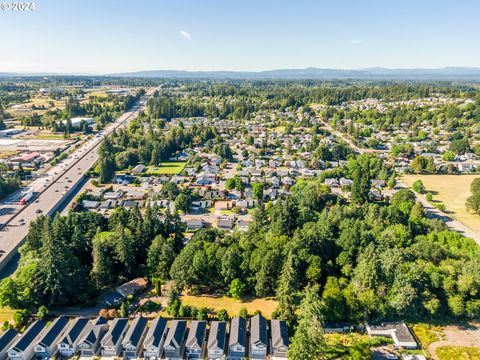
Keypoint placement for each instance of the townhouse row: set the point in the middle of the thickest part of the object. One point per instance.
(255, 338)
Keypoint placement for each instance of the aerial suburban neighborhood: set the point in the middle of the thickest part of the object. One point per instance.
(254, 180)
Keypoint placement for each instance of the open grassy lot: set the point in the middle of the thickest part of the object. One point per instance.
(6, 314)
(266, 306)
(427, 333)
(458, 353)
(167, 168)
(452, 190)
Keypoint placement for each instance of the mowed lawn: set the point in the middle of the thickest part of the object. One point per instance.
(453, 191)
(266, 306)
(167, 168)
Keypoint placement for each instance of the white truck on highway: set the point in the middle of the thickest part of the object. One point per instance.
(26, 196)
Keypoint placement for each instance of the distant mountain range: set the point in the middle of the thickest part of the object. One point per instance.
(374, 73)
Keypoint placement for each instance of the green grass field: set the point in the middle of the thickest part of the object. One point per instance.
(458, 353)
(167, 168)
(453, 191)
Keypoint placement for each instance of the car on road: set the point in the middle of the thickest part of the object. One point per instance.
(38, 211)
(392, 357)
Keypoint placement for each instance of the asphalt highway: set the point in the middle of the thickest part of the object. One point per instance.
(57, 184)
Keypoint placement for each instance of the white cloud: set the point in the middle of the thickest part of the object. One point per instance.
(355, 42)
(185, 35)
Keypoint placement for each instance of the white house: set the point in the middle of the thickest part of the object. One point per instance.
(194, 345)
(22, 348)
(133, 340)
(153, 343)
(68, 344)
(280, 341)
(398, 331)
(6, 340)
(89, 344)
(216, 340)
(238, 339)
(46, 346)
(111, 344)
(175, 341)
(258, 337)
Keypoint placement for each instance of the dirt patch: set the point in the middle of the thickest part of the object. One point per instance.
(457, 335)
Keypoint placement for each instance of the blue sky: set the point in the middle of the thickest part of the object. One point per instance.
(104, 36)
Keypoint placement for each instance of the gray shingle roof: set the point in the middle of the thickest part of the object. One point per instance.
(115, 332)
(176, 334)
(217, 336)
(93, 334)
(74, 331)
(258, 330)
(55, 329)
(238, 331)
(28, 336)
(196, 334)
(155, 332)
(135, 331)
(6, 338)
(279, 333)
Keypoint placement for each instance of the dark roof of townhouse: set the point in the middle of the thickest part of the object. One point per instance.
(115, 332)
(238, 331)
(279, 333)
(75, 330)
(135, 331)
(196, 334)
(217, 336)
(53, 331)
(29, 336)
(6, 338)
(176, 333)
(155, 332)
(94, 332)
(258, 330)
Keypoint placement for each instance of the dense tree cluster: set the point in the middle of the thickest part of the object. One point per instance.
(144, 141)
(69, 259)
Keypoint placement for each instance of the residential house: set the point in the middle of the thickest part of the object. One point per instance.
(133, 340)
(280, 341)
(243, 224)
(46, 346)
(224, 223)
(175, 341)
(332, 182)
(153, 343)
(258, 337)
(216, 340)
(194, 223)
(68, 344)
(223, 205)
(194, 348)
(22, 347)
(6, 340)
(238, 339)
(89, 345)
(398, 331)
(111, 344)
(113, 195)
(140, 168)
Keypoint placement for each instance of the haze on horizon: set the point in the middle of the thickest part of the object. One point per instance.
(109, 36)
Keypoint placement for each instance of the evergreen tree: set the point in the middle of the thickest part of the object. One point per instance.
(308, 341)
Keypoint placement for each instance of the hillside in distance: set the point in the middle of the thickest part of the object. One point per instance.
(375, 73)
